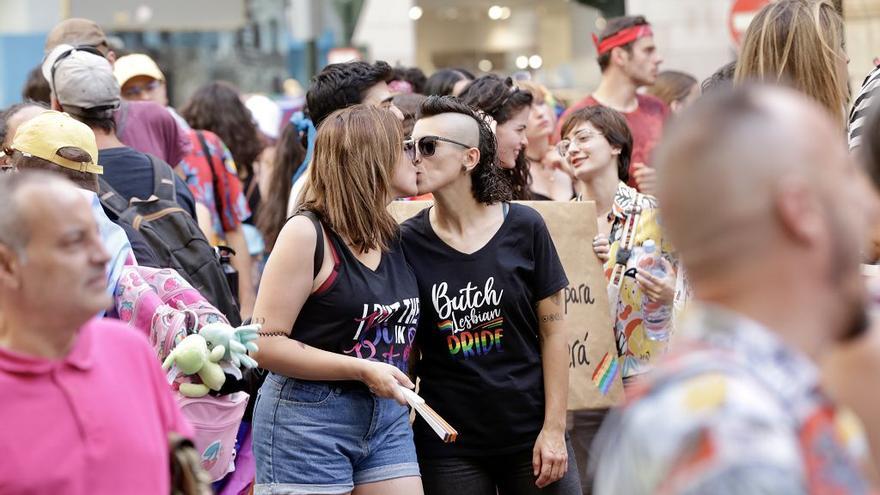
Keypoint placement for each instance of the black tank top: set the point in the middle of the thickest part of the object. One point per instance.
(360, 312)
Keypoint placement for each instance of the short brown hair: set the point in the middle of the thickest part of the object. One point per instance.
(612, 125)
(614, 26)
(356, 151)
(85, 180)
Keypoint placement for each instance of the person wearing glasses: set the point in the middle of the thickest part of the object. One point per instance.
(339, 308)
(142, 125)
(490, 336)
(208, 169)
(597, 147)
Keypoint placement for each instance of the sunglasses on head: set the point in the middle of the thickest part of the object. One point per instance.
(82, 48)
(427, 146)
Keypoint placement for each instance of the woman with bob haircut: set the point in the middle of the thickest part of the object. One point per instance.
(493, 349)
(800, 43)
(339, 307)
(597, 146)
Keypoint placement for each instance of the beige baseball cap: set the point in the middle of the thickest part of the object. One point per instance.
(136, 64)
(45, 134)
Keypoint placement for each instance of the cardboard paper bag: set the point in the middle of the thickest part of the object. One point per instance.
(594, 379)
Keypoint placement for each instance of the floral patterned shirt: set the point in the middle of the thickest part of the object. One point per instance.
(636, 350)
(199, 173)
(733, 410)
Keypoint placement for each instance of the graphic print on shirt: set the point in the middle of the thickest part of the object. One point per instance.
(471, 318)
(386, 326)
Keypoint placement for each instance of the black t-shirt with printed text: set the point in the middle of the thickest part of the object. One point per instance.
(363, 313)
(478, 333)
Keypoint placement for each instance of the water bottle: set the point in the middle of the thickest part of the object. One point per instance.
(656, 315)
(228, 270)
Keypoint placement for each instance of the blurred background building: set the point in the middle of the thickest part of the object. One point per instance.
(275, 46)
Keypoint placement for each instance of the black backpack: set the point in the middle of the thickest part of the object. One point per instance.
(174, 237)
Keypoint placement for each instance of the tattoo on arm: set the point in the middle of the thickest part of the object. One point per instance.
(551, 317)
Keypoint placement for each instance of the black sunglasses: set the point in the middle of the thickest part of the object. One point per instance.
(427, 146)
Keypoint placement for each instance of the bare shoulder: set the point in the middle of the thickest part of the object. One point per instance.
(297, 233)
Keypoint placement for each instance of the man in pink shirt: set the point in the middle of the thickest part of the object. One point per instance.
(85, 406)
(629, 60)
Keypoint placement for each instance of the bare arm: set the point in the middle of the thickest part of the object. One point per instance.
(554, 347)
(550, 456)
(203, 218)
(243, 264)
(285, 286)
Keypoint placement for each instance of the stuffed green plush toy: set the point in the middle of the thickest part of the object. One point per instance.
(191, 356)
(237, 342)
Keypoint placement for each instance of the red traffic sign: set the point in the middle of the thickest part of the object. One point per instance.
(741, 14)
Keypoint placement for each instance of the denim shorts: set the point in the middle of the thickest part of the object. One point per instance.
(326, 437)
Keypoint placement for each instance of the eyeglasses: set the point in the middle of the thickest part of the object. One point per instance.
(427, 146)
(580, 138)
(135, 91)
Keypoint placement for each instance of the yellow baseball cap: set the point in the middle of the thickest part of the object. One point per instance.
(45, 134)
(136, 64)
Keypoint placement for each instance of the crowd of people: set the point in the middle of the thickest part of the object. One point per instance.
(215, 299)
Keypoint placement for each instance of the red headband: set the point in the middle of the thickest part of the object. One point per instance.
(622, 37)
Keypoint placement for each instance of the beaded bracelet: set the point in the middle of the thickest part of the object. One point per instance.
(272, 334)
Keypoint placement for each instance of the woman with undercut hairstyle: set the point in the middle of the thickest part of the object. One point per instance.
(493, 349)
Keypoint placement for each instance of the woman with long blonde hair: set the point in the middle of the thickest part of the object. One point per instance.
(799, 43)
(330, 417)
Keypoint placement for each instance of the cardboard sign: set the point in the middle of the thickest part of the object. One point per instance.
(594, 367)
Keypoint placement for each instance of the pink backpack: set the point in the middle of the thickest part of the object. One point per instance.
(160, 303)
(215, 421)
(164, 306)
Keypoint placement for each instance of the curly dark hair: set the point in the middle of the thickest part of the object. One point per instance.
(217, 107)
(338, 86)
(500, 99)
(489, 183)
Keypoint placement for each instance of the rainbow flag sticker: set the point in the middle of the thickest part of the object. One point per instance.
(444, 326)
(605, 373)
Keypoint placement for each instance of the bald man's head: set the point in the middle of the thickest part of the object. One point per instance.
(757, 188)
(15, 217)
(722, 165)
